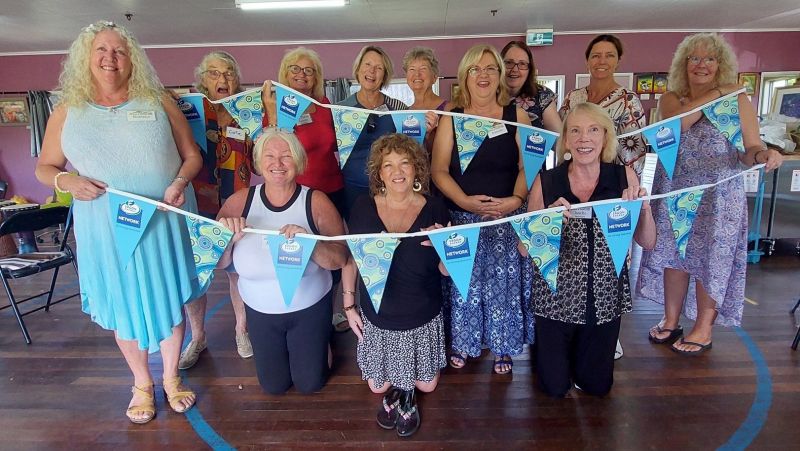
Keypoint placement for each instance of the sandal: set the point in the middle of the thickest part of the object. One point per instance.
(457, 360)
(176, 393)
(500, 360)
(701, 348)
(673, 334)
(148, 407)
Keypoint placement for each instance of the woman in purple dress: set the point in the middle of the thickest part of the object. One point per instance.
(708, 284)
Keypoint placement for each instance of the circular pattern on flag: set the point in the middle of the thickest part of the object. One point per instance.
(370, 261)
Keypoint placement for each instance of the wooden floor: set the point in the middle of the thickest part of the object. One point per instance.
(69, 389)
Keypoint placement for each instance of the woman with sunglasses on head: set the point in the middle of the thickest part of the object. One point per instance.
(226, 169)
(301, 70)
(525, 92)
(492, 186)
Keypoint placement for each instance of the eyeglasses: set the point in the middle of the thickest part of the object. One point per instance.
(308, 71)
(511, 64)
(695, 60)
(214, 74)
(474, 71)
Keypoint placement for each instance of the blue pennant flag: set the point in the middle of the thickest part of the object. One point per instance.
(682, 209)
(724, 114)
(410, 124)
(541, 236)
(348, 125)
(247, 110)
(470, 133)
(208, 240)
(191, 106)
(373, 257)
(664, 140)
(618, 221)
(291, 105)
(290, 258)
(129, 218)
(457, 251)
(535, 145)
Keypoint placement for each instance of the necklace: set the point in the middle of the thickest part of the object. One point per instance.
(398, 225)
(362, 100)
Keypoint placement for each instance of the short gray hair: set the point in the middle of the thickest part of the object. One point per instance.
(295, 148)
(227, 58)
(425, 53)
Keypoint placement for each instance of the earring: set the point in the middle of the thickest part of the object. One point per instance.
(382, 189)
(567, 156)
(417, 187)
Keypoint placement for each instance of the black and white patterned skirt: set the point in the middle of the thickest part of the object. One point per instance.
(402, 357)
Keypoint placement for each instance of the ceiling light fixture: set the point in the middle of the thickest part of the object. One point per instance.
(278, 4)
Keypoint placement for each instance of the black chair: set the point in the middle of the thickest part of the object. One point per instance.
(23, 265)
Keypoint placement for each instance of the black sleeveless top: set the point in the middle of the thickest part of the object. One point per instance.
(589, 291)
(494, 168)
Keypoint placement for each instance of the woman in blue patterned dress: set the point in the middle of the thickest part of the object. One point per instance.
(708, 284)
(116, 126)
(491, 186)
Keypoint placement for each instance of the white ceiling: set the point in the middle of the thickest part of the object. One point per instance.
(32, 26)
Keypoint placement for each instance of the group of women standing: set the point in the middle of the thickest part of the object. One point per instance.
(385, 186)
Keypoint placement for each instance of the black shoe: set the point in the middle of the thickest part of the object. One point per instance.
(408, 419)
(387, 414)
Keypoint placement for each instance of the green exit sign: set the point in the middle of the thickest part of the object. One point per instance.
(541, 36)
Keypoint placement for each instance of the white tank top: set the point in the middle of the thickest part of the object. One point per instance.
(258, 283)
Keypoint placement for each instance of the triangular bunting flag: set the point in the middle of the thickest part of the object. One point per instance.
(291, 105)
(410, 124)
(191, 106)
(682, 210)
(535, 145)
(457, 251)
(290, 258)
(129, 218)
(208, 240)
(247, 110)
(470, 133)
(541, 236)
(373, 256)
(348, 125)
(664, 140)
(724, 114)
(618, 222)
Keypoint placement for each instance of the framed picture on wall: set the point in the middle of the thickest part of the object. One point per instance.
(644, 83)
(786, 104)
(750, 82)
(624, 79)
(660, 82)
(454, 91)
(14, 111)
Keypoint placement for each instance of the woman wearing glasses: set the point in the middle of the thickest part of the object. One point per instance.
(535, 99)
(703, 70)
(226, 169)
(301, 70)
(492, 186)
(373, 70)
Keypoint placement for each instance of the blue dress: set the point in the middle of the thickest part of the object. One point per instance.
(130, 147)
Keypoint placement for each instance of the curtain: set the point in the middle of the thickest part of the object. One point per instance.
(337, 90)
(40, 106)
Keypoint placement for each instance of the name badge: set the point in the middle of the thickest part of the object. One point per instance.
(235, 133)
(382, 108)
(141, 116)
(305, 119)
(497, 130)
(581, 213)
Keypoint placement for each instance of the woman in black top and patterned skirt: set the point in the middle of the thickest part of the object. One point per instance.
(401, 346)
(579, 324)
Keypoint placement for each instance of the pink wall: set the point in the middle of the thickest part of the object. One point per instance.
(644, 52)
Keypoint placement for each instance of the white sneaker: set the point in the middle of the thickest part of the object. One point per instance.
(190, 355)
(243, 346)
(618, 351)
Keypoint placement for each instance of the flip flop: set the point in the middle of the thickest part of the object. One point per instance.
(673, 335)
(504, 359)
(457, 357)
(701, 348)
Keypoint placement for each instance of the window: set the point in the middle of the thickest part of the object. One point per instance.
(397, 88)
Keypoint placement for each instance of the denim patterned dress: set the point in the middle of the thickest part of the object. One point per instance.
(716, 253)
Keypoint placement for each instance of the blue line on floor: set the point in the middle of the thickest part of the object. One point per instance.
(757, 416)
(194, 416)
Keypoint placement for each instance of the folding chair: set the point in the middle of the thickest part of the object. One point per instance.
(23, 265)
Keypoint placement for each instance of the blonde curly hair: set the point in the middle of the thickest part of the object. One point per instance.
(75, 80)
(727, 66)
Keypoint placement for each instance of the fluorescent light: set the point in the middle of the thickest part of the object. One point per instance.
(251, 4)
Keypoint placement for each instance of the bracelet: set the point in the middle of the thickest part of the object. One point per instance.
(518, 197)
(348, 292)
(55, 182)
(349, 307)
(181, 178)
